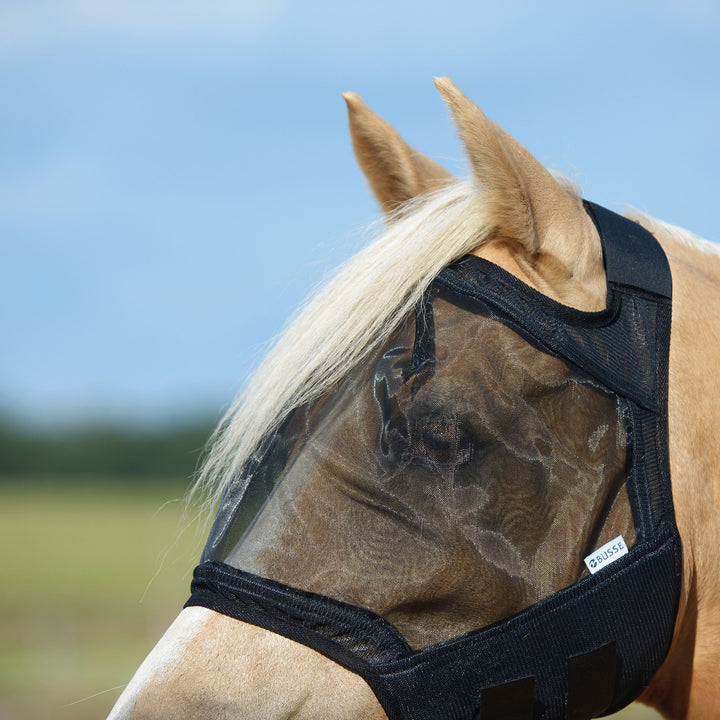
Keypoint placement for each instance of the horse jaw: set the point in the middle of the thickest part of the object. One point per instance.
(213, 667)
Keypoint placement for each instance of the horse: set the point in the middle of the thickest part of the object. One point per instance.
(533, 225)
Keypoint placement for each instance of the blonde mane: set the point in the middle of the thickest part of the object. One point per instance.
(353, 313)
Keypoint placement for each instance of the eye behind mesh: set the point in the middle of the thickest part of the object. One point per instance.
(443, 440)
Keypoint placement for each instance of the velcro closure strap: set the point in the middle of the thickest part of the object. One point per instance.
(591, 682)
(632, 255)
(512, 700)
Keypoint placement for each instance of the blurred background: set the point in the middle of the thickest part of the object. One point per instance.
(175, 175)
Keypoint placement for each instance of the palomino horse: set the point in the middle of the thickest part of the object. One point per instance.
(415, 551)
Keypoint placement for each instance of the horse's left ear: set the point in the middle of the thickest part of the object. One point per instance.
(539, 223)
(396, 171)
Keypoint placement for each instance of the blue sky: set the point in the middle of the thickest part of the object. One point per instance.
(176, 175)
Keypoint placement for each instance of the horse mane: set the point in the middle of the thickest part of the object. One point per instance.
(679, 235)
(341, 323)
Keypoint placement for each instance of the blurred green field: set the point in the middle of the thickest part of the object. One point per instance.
(91, 575)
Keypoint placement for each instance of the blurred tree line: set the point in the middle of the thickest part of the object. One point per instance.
(102, 451)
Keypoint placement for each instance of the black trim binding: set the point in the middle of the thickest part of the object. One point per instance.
(609, 632)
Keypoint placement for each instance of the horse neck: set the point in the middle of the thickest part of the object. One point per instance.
(685, 685)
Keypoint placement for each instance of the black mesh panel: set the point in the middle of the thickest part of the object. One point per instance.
(458, 477)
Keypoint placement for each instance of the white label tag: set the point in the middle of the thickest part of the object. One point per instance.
(607, 554)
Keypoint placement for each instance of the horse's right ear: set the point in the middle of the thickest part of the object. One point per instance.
(396, 171)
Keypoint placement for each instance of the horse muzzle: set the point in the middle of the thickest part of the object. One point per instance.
(211, 667)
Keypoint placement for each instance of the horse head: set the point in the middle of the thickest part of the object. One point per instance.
(408, 455)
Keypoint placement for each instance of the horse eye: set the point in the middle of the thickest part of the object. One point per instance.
(446, 442)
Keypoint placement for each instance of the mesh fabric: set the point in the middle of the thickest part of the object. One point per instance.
(455, 478)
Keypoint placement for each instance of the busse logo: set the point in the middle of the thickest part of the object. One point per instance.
(607, 554)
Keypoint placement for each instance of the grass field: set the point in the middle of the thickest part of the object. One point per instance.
(91, 575)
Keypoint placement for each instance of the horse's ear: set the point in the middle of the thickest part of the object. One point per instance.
(523, 198)
(396, 171)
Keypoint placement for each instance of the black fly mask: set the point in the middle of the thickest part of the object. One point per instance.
(478, 519)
